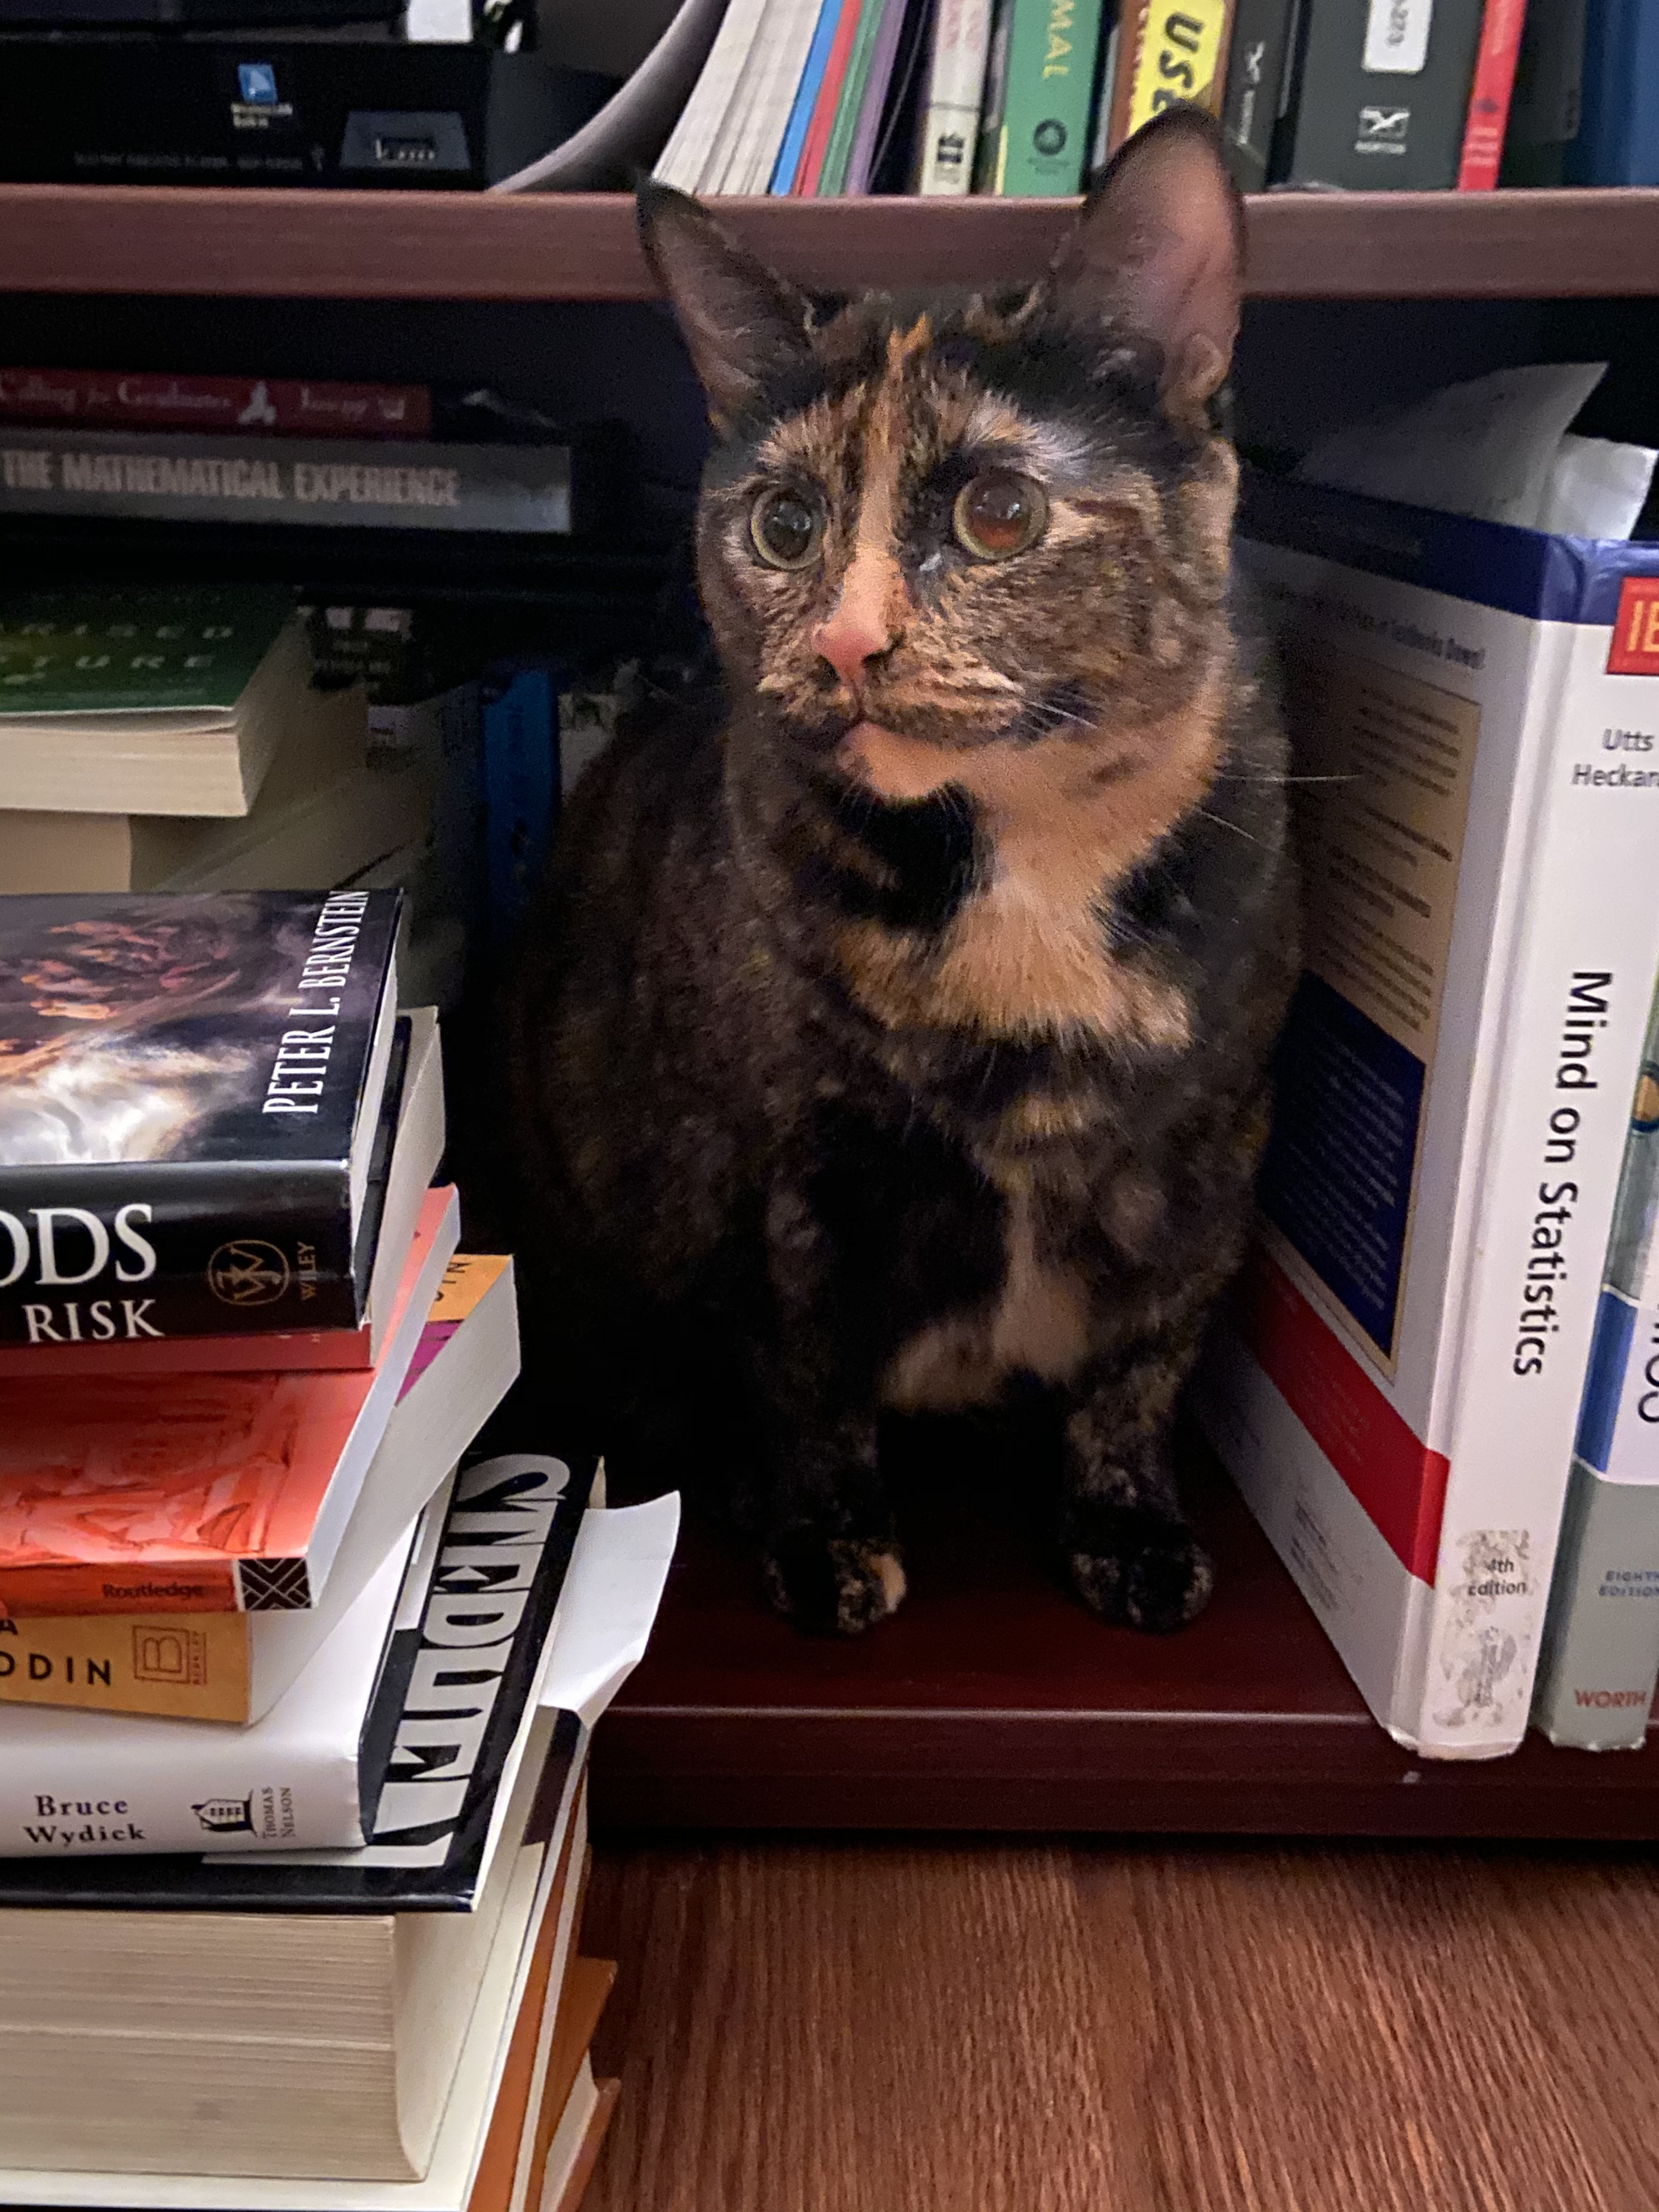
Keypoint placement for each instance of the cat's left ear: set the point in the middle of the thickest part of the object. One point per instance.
(741, 323)
(1159, 249)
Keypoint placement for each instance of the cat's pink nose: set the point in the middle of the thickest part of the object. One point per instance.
(859, 631)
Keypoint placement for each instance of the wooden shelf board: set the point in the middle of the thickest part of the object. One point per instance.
(454, 246)
(993, 1702)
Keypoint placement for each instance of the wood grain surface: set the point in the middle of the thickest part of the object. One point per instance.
(941, 2027)
(579, 246)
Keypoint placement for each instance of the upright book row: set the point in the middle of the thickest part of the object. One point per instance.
(1438, 1387)
(297, 1673)
(1024, 98)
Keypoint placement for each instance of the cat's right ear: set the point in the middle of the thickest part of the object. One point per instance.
(741, 323)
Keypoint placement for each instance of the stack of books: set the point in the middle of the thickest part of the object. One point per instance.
(1029, 98)
(173, 739)
(292, 1842)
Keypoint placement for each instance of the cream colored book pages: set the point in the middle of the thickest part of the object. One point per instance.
(692, 137)
(716, 163)
(193, 761)
(789, 28)
(323, 814)
(448, 2180)
(65, 852)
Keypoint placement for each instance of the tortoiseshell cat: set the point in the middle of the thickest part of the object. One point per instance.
(906, 1032)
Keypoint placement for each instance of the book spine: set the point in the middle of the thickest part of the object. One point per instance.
(956, 85)
(175, 1790)
(1618, 138)
(131, 1254)
(873, 105)
(1489, 96)
(1582, 951)
(838, 149)
(1178, 58)
(988, 155)
(281, 407)
(807, 92)
(1383, 94)
(1601, 1662)
(829, 100)
(174, 1669)
(1256, 63)
(172, 477)
(1051, 72)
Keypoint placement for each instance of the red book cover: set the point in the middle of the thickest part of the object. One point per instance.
(810, 166)
(1489, 95)
(93, 399)
(199, 1493)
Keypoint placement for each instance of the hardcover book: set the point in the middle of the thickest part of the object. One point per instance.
(1381, 94)
(381, 484)
(1398, 1389)
(199, 1493)
(234, 1666)
(409, 1146)
(1169, 56)
(1043, 138)
(89, 398)
(191, 1090)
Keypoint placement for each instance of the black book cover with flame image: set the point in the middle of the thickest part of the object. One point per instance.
(190, 1091)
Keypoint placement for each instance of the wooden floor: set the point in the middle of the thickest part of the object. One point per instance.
(949, 2028)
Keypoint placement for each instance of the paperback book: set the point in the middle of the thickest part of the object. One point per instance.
(391, 1745)
(157, 701)
(1398, 1390)
(190, 1095)
(200, 1494)
(380, 483)
(426, 1846)
(234, 1666)
(1601, 1662)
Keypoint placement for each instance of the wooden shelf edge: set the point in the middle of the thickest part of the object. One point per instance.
(187, 240)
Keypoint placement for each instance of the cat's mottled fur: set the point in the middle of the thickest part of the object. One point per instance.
(903, 1037)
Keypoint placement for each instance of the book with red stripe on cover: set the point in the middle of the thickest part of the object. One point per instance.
(299, 407)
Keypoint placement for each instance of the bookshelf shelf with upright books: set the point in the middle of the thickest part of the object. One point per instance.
(452, 245)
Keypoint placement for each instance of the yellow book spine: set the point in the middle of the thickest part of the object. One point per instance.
(189, 1667)
(1182, 61)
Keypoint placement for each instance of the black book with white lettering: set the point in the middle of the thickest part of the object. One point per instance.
(1381, 95)
(455, 1754)
(192, 1090)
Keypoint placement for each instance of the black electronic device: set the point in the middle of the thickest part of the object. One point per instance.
(278, 106)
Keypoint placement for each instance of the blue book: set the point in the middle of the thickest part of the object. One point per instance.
(1617, 141)
(521, 785)
(806, 94)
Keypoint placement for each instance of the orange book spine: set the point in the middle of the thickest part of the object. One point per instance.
(94, 1586)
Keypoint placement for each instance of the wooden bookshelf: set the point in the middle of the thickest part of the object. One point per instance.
(410, 245)
(993, 1701)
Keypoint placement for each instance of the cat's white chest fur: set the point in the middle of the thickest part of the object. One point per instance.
(1037, 1323)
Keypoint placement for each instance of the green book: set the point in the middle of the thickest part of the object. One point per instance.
(134, 652)
(838, 153)
(132, 702)
(1041, 149)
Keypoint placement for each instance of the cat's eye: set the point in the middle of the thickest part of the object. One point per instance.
(787, 527)
(1000, 514)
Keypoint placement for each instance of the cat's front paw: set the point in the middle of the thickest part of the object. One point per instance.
(832, 1584)
(1141, 1569)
